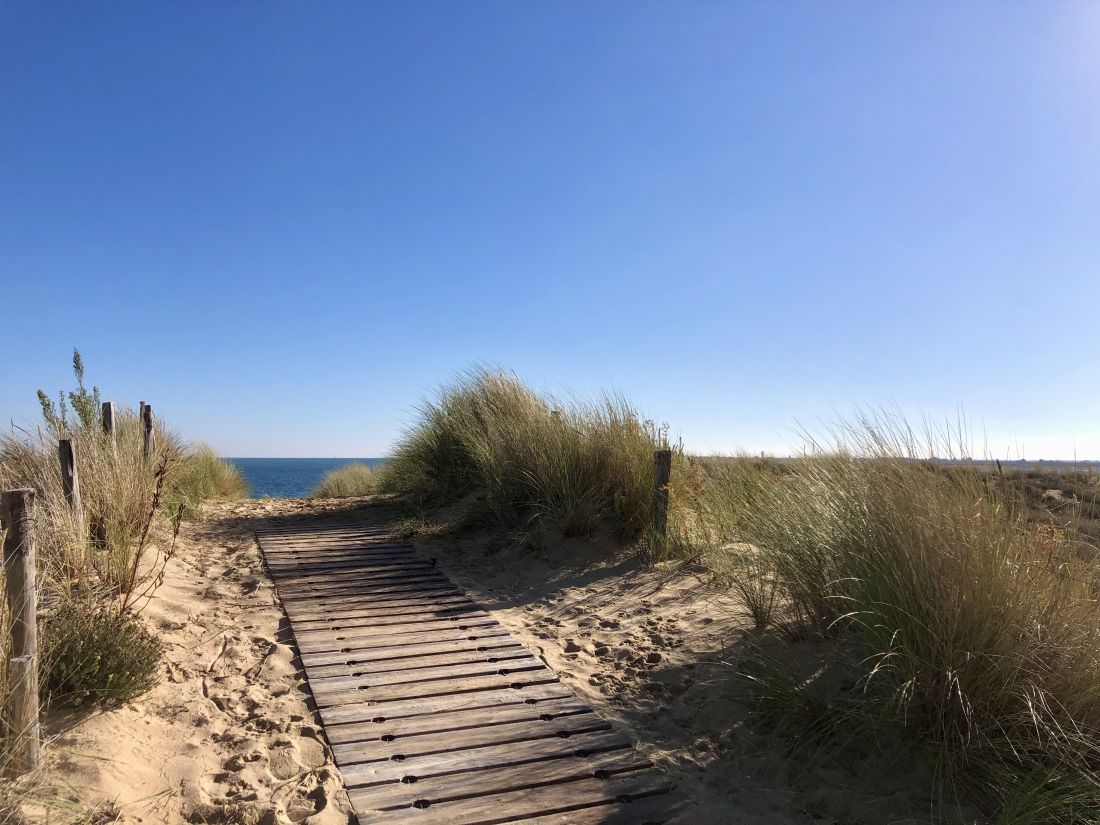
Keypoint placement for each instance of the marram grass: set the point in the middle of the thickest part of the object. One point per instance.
(976, 633)
(531, 458)
(349, 481)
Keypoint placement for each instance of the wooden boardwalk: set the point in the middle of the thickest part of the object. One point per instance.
(434, 713)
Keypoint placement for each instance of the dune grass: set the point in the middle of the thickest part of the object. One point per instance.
(969, 631)
(532, 459)
(93, 582)
(355, 479)
(201, 476)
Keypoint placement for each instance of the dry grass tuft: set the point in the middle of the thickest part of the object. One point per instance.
(356, 479)
(580, 465)
(976, 632)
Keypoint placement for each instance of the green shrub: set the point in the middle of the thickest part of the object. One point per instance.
(92, 655)
(356, 479)
(532, 457)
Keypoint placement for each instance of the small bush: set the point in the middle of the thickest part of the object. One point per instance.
(93, 655)
(351, 480)
(532, 457)
(202, 476)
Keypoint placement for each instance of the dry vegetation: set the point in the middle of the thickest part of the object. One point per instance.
(93, 583)
(533, 460)
(951, 610)
(356, 479)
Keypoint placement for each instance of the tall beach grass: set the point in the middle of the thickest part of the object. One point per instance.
(530, 458)
(355, 479)
(93, 581)
(960, 625)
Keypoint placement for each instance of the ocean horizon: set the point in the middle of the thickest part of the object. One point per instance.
(290, 477)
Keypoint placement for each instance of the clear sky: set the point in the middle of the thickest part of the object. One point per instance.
(283, 223)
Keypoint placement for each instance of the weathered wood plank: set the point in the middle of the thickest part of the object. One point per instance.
(401, 607)
(382, 694)
(351, 640)
(511, 806)
(533, 696)
(353, 655)
(362, 680)
(454, 720)
(456, 744)
(350, 617)
(343, 632)
(396, 763)
(402, 793)
(505, 651)
(352, 599)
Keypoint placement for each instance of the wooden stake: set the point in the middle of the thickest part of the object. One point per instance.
(109, 422)
(662, 471)
(70, 482)
(21, 712)
(147, 424)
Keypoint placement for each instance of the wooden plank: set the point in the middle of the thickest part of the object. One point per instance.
(406, 790)
(533, 696)
(300, 564)
(408, 586)
(462, 608)
(353, 586)
(335, 578)
(451, 745)
(506, 650)
(396, 763)
(343, 600)
(364, 639)
(21, 710)
(382, 694)
(300, 568)
(516, 805)
(361, 679)
(486, 638)
(324, 545)
(408, 629)
(390, 648)
(402, 607)
(455, 720)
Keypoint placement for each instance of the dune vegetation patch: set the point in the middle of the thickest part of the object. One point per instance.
(531, 458)
(958, 623)
(96, 567)
(349, 481)
(949, 622)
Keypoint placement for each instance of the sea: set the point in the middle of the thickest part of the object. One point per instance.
(290, 477)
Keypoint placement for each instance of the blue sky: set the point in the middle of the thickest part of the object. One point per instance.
(284, 223)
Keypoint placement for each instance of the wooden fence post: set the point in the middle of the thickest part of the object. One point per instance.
(21, 713)
(109, 422)
(147, 425)
(70, 482)
(662, 471)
